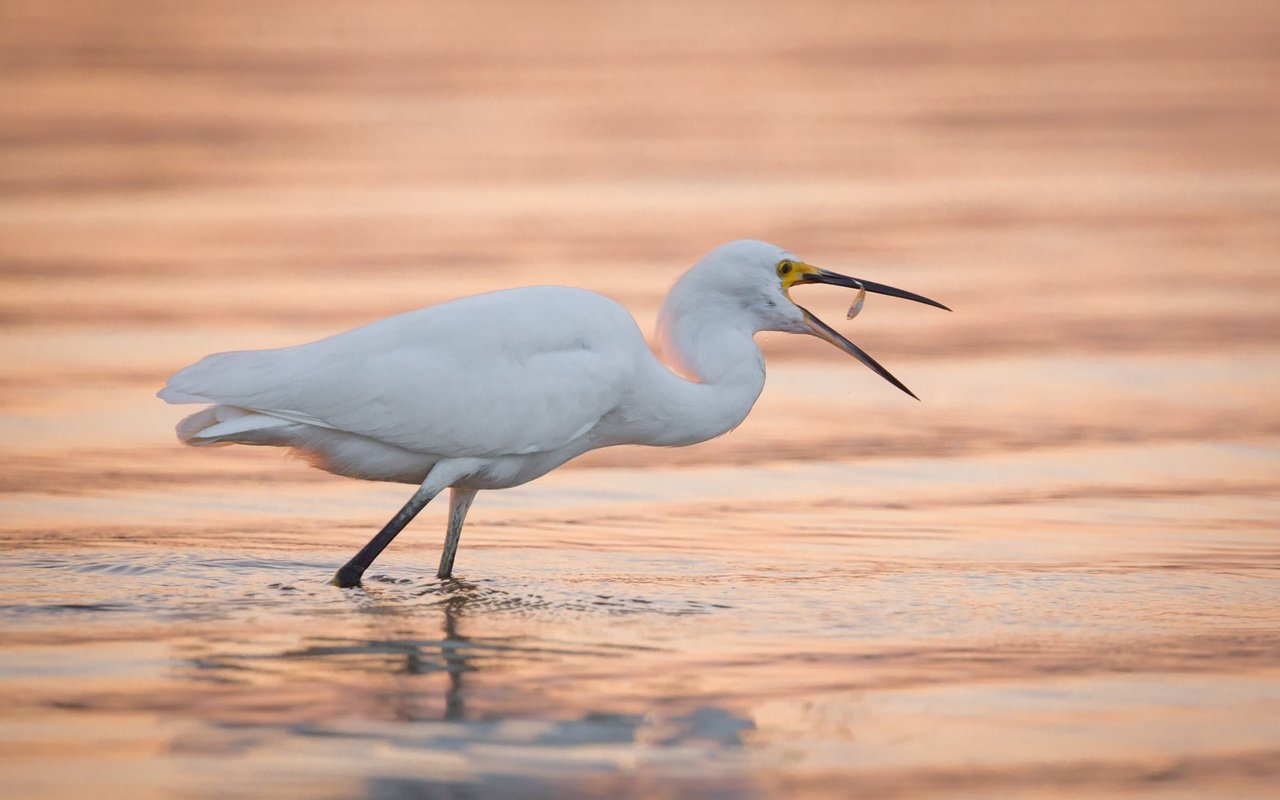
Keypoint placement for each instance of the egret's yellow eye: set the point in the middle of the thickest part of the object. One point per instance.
(784, 267)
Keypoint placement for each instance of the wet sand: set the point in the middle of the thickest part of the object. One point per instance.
(1057, 575)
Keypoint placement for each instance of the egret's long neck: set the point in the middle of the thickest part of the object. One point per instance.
(709, 341)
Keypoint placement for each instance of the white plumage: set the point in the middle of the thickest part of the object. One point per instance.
(494, 390)
(388, 400)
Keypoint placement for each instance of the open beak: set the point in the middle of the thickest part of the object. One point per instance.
(824, 331)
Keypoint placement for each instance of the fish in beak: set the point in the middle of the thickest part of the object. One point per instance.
(808, 274)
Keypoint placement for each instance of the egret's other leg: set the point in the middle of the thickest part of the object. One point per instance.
(350, 573)
(459, 502)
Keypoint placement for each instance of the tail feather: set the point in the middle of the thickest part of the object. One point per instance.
(218, 425)
(173, 396)
(224, 377)
(191, 426)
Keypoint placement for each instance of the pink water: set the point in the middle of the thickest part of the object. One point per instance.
(1058, 575)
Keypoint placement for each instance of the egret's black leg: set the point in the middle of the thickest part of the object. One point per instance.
(350, 573)
(459, 502)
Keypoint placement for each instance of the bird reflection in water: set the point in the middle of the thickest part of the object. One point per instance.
(310, 680)
(454, 651)
(454, 654)
(412, 677)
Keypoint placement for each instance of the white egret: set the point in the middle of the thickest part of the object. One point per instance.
(494, 390)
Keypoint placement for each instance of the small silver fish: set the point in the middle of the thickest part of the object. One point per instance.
(856, 308)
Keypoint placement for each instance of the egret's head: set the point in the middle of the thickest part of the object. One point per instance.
(756, 277)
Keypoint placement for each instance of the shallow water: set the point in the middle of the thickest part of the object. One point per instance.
(1058, 575)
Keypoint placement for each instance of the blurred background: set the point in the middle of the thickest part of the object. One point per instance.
(1088, 490)
(1094, 182)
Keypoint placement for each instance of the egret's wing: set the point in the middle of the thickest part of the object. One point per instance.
(506, 373)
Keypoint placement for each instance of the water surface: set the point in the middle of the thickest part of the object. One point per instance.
(1058, 575)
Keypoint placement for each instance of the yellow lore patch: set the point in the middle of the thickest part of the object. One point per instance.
(792, 272)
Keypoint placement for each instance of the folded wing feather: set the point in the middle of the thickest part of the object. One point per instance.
(513, 372)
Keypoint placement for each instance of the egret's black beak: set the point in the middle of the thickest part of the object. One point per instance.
(836, 279)
(825, 332)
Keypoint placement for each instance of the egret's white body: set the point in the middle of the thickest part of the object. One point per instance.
(494, 390)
